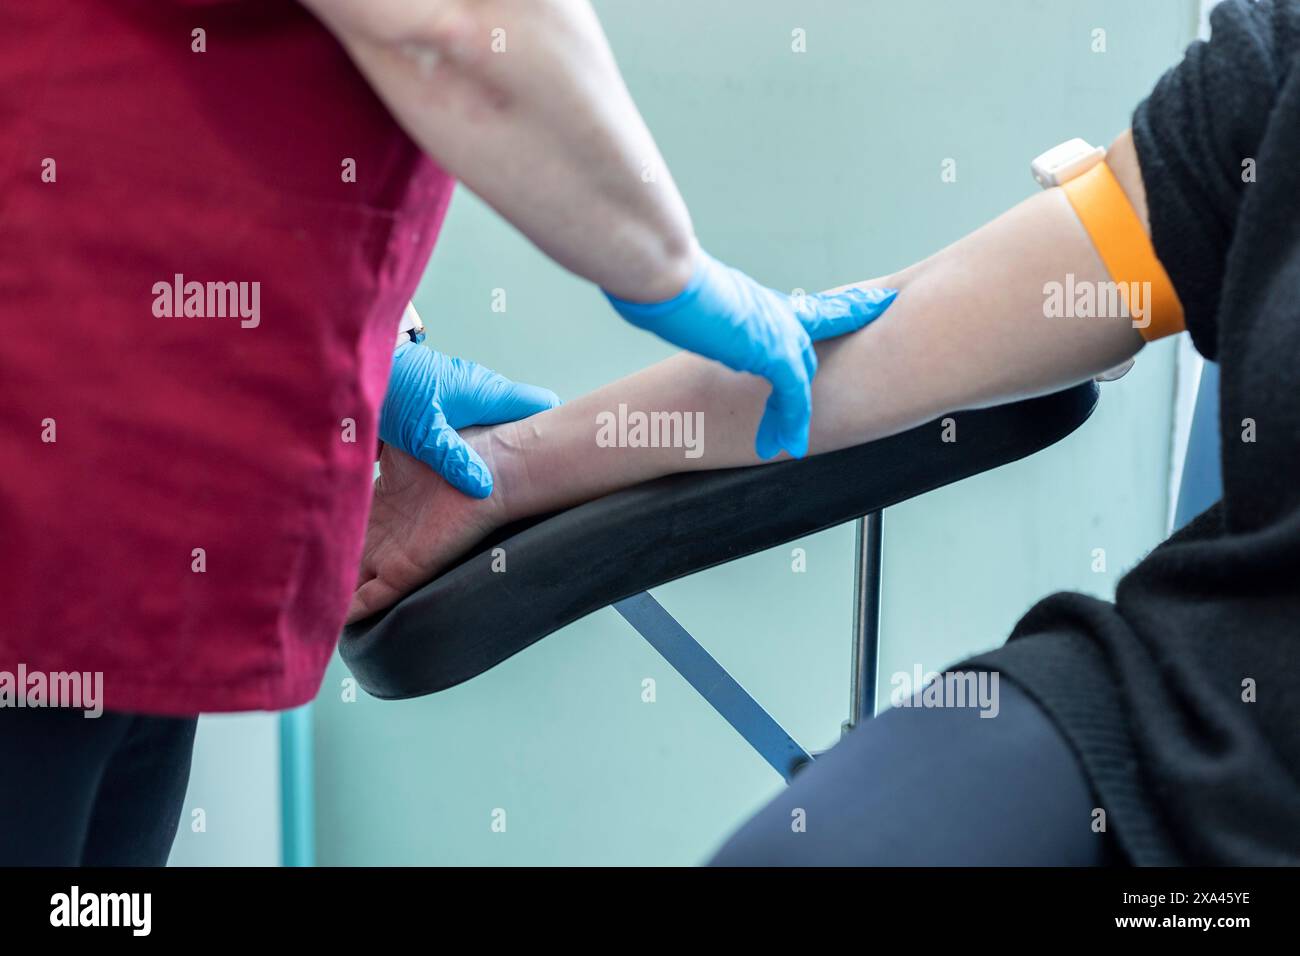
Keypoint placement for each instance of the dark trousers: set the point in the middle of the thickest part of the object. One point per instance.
(934, 787)
(105, 791)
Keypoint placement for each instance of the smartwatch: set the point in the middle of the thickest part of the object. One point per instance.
(1064, 162)
(1058, 166)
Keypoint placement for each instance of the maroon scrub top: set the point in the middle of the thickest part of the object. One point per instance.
(183, 494)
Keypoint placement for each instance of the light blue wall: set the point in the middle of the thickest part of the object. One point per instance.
(808, 170)
(231, 815)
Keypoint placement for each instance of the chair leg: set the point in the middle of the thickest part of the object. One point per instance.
(867, 570)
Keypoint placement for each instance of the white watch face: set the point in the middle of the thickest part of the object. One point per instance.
(1063, 153)
(1063, 162)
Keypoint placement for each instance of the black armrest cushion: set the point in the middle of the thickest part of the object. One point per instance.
(562, 567)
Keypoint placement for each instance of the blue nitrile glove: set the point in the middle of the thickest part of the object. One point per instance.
(430, 395)
(725, 315)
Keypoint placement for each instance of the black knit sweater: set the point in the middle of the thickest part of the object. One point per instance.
(1182, 698)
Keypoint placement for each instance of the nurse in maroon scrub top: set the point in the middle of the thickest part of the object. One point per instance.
(212, 215)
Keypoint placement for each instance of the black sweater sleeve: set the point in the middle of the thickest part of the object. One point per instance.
(1198, 137)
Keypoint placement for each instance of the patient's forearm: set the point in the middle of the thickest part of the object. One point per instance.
(968, 329)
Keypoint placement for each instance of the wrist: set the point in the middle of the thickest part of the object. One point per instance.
(680, 262)
(676, 273)
(498, 446)
(646, 314)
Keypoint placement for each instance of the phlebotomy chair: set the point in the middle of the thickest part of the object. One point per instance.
(611, 551)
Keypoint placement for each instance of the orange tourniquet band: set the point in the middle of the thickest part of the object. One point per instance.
(1116, 231)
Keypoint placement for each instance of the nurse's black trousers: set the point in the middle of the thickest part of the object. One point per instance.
(103, 791)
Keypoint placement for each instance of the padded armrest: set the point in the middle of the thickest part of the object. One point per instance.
(564, 566)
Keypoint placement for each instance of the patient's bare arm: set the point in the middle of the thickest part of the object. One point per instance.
(967, 330)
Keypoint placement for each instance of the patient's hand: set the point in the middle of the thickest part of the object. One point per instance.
(418, 525)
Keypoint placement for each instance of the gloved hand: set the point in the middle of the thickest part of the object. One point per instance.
(725, 315)
(430, 395)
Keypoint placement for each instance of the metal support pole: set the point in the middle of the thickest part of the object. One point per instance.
(867, 570)
(689, 658)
